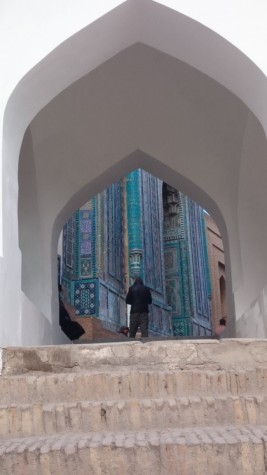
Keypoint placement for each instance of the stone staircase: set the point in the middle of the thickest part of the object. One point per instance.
(161, 407)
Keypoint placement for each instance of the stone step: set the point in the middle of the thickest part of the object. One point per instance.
(164, 407)
(38, 419)
(189, 451)
(131, 383)
(215, 355)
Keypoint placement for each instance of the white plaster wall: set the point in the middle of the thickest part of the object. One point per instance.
(251, 309)
(39, 329)
(241, 22)
(28, 34)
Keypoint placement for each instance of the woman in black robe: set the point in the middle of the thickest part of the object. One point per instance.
(72, 329)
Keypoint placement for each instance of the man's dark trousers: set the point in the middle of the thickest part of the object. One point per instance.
(138, 320)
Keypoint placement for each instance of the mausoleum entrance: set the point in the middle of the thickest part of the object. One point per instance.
(139, 226)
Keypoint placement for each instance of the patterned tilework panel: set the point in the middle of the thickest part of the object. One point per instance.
(87, 240)
(171, 260)
(103, 302)
(175, 253)
(115, 230)
(134, 210)
(199, 258)
(86, 267)
(182, 326)
(173, 224)
(69, 243)
(113, 307)
(175, 289)
(151, 197)
(173, 294)
(187, 309)
(160, 322)
(102, 244)
(85, 298)
(156, 318)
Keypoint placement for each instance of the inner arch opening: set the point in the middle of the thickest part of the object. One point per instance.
(139, 226)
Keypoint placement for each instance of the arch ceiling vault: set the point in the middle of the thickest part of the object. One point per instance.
(142, 85)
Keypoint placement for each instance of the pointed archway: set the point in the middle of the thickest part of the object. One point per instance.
(213, 150)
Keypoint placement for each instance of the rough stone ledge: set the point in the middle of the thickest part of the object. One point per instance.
(227, 354)
(229, 434)
(212, 451)
(130, 414)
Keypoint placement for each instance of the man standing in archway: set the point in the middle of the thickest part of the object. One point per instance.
(139, 297)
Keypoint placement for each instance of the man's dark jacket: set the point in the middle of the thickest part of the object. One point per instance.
(139, 297)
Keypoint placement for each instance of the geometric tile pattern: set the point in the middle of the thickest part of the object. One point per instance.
(85, 298)
(182, 326)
